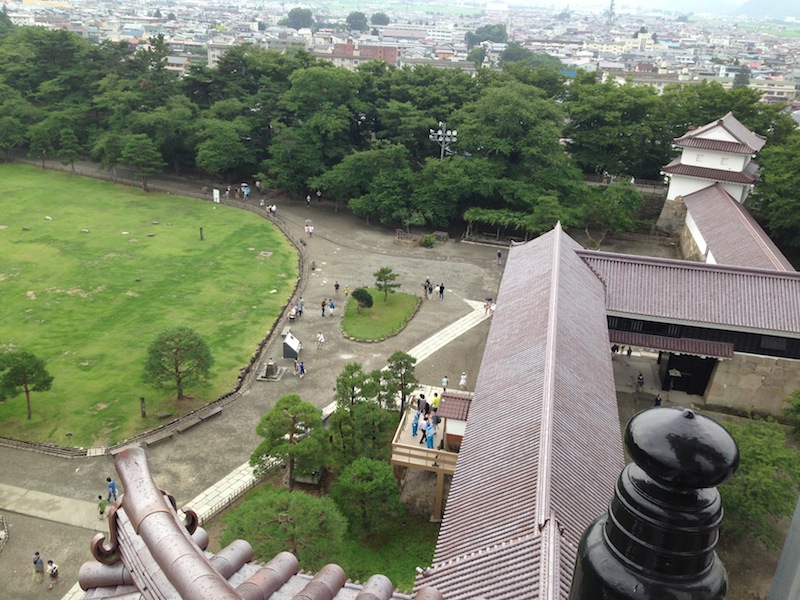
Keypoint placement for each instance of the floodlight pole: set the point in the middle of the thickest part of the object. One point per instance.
(443, 136)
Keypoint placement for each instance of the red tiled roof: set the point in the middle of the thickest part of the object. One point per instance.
(749, 142)
(748, 176)
(455, 406)
(702, 348)
(732, 234)
(701, 294)
(542, 449)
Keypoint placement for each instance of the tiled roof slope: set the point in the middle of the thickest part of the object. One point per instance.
(748, 142)
(694, 293)
(704, 348)
(455, 405)
(732, 234)
(748, 176)
(542, 448)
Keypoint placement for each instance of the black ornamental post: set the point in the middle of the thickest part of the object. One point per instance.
(657, 540)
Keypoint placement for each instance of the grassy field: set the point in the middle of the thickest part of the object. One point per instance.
(90, 303)
(383, 319)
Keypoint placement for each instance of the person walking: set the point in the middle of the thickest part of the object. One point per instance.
(424, 430)
(336, 288)
(346, 292)
(101, 506)
(499, 257)
(441, 291)
(112, 489)
(445, 383)
(331, 307)
(308, 201)
(296, 369)
(320, 340)
(300, 306)
(324, 305)
(415, 422)
(437, 400)
(52, 572)
(38, 567)
(658, 400)
(462, 383)
(302, 369)
(430, 433)
(639, 383)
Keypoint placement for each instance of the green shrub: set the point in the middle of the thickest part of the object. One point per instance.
(428, 241)
(792, 412)
(363, 297)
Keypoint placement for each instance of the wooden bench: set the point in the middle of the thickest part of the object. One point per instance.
(158, 437)
(211, 413)
(187, 424)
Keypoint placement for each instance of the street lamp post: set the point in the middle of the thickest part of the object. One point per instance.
(443, 136)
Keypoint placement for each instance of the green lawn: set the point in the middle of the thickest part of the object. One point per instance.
(383, 319)
(90, 303)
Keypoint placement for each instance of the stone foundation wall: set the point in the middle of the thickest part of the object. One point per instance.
(673, 217)
(757, 384)
(688, 247)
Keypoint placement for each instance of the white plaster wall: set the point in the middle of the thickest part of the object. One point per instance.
(683, 186)
(714, 160)
(737, 191)
(697, 237)
(456, 427)
(717, 133)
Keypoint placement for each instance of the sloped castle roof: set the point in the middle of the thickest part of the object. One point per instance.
(723, 135)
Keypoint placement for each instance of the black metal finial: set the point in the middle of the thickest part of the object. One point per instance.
(657, 540)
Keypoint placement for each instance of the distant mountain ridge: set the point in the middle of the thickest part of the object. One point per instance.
(769, 9)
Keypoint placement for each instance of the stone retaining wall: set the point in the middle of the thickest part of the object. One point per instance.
(753, 384)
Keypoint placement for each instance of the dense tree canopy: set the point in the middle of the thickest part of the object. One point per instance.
(357, 21)
(491, 33)
(299, 18)
(380, 18)
(298, 122)
(778, 195)
(275, 520)
(366, 493)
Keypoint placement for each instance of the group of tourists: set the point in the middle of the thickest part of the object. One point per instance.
(432, 292)
(39, 570)
(426, 413)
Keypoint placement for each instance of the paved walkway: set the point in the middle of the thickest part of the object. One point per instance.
(51, 502)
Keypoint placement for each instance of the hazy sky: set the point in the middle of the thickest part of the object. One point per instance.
(627, 5)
